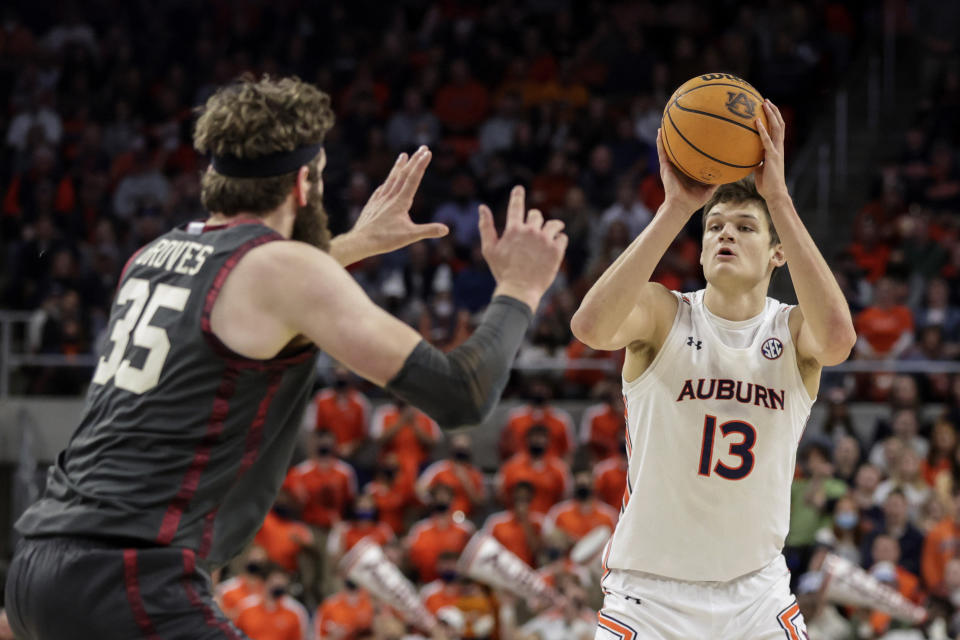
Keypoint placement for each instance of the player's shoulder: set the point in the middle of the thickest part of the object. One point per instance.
(605, 466)
(431, 588)
(496, 519)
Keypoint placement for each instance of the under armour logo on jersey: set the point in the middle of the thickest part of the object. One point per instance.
(772, 349)
(694, 343)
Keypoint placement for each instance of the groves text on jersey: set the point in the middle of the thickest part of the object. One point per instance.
(726, 389)
(180, 256)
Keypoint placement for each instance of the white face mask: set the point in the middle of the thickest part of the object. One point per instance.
(443, 308)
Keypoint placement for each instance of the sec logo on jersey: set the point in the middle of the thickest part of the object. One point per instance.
(772, 349)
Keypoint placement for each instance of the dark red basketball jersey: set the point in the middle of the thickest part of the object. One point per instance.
(182, 442)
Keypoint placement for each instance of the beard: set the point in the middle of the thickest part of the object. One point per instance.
(310, 224)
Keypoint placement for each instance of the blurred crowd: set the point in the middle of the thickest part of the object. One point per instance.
(565, 98)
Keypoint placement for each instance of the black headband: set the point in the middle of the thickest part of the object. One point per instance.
(273, 164)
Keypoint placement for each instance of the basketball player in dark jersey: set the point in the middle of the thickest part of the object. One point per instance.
(193, 410)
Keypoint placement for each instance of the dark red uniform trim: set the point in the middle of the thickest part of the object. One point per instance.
(132, 584)
(201, 456)
(209, 617)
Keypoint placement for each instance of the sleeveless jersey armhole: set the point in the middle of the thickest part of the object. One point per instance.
(668, 345)
(791, 349)
(217, 345)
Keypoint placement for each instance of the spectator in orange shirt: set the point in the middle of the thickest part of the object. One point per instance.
(885, 329)
(462, 103)
(411, 434)
(537, 412)
(346, 615)
(362, 523)
(435, 534)
(886, 554)
(323, 485)
(547, 473)
(579, 516)
(602, 425)
(941, 545)
(284, 538)
(610, 479)
(458, 473)
(249, 584)
(344, 411)
(444, 591)
(392, 489)
(275, 616)
(518, 529)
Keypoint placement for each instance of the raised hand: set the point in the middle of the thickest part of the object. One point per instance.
(770, 176)
(525, 259)
(385, 220)
(687, 194)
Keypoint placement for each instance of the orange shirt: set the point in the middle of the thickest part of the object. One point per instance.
(432, 536)
(345, 535)
(323, 488)
(345, 415)
(445, 472)
(602, 427)
(236, 590)
(343, 612)
(909, 587)
(576, 522)
(438, 594)
(873, 259)
(283, 540)
(589, 377)
(550, 477)
(285, 621)
(931, 471)
(610, 480)
(393, 500)
(883, 327)
(404, 442)
(558, 424)
(506, 528)
(941, 545)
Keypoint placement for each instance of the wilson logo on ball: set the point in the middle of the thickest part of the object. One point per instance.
(740, 105)
(772, 349)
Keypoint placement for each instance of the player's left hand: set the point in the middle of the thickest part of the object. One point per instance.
(385, 220)
(770, 176)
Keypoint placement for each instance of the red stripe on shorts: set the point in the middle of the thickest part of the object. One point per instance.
(132, 584)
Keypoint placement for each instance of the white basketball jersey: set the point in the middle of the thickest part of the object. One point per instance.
(712, 435)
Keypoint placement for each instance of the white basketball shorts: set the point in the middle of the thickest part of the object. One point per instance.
(757, 606)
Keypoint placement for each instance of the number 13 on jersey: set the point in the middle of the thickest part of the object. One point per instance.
(742, 449)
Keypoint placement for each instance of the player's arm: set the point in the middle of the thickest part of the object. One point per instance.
(825, 332)
(319, 299)
(623, 306)
(384, 224)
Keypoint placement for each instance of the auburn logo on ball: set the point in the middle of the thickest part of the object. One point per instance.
(740, 105)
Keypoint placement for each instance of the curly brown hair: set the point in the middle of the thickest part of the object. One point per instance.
(250, 118)
(743, 190)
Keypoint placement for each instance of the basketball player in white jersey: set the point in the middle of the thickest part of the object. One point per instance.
(718, 386)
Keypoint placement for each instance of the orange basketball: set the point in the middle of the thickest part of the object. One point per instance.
(709, 128)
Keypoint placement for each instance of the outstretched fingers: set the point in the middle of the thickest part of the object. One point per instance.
(515, 208)
(488, 233)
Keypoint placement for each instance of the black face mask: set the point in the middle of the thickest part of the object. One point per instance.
(278, 592)
(339, 384)
(538, 400)
(366, 516)
(389, 474)
(448, 575)
(441, 507)
(582, 492)
(285, 512)
(350, 585)
(324, 450)
(256, 569)
(537, 450)
(461, 455)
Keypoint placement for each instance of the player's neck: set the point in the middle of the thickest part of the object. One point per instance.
(280, 219)
(735, 305)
